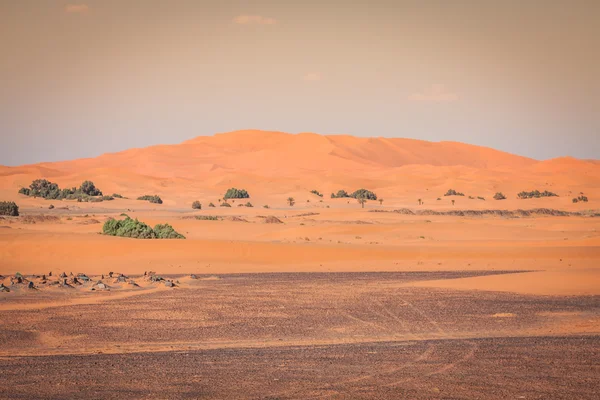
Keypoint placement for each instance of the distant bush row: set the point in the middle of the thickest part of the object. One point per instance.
(317, 193)
(49, 190)
(580, 198)
(133, 228)
(536, 194)
(358, 194)
(9, 208)
(151, 198)
(452, 192)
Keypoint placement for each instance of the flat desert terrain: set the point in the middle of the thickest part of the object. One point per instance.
(408, 298)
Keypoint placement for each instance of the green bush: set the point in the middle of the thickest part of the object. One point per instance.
(107, 198)
(234, 193)
(452, 192)
(117, 196)
(151, 198)
(499, 196)
(248, 204)
(196, 205)
(9, 208)
(166, 231)
(225, 204)
(316, 192)
(580, 198)
(364, 194)
(207, 218)
(340, 194)
(25, 191)
(133, 228)
(535, 193)
(88, 187)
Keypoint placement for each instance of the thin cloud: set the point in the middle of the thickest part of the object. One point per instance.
(77, 8)
(312, 77)
(254, 20)
(434, 94)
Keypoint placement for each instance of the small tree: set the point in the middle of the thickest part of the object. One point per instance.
(291, 201)
(196, 205)
(361, 201)
(380, 201)
(420, 201)
(88, 187)
(452, 201)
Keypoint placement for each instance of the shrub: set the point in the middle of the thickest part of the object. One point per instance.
(481, 198)
(133, 228)
(124, 215)
(25, 191)
(9, 208)
(365, 194)
(316, 192)
(117, 196)
(499, 196)
(152, 199)
(291, 201)
(580, 198)
(575, 199)
(266, 206)
(471, 198)
(340, 194)
(452, 192)
(225, 204)
(207, 218)
(196, 205)
(234, 193)
(107, 198)
(211, 205)
(536, 194)
(88, 187)
(248, 204)
(95, 199)
(45, 189)
(438, 198)
(166, 231)
(51, 206)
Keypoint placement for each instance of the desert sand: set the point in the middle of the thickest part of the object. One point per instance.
(410, 304)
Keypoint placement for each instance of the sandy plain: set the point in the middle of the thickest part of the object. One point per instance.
(337, 301)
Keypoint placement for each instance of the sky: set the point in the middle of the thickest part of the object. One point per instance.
(78, 79)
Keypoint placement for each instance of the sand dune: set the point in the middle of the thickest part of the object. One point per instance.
(276, 163)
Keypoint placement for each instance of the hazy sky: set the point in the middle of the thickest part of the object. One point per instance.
(78, 79)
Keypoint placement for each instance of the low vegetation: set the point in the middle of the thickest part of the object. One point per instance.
(151, 198)
(291, 201)
(340, 194)
(207, 218)
(211, 205)
(452, 192)
(117, 196)
(9, 208)
(535, 194)
(196, 205)
(499, 196)
(480, 198)
(133, 228)
(580, 198)
(316, 192)
(225, 204)
(248, 204)
(364, 193)
(48, 190)
(234, 193)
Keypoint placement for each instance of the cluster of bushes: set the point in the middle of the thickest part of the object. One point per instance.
(234, 193)
(364, 194)
(580, 198)
(49, 190)
(360, 193)
(317, 193)
(499, 196)
(452, 192)
(340, 194)
(151, 198)
(133, 228)
(207, 218)
(9, 208)
(536, 194)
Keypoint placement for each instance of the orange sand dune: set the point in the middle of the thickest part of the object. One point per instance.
(275, 164)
